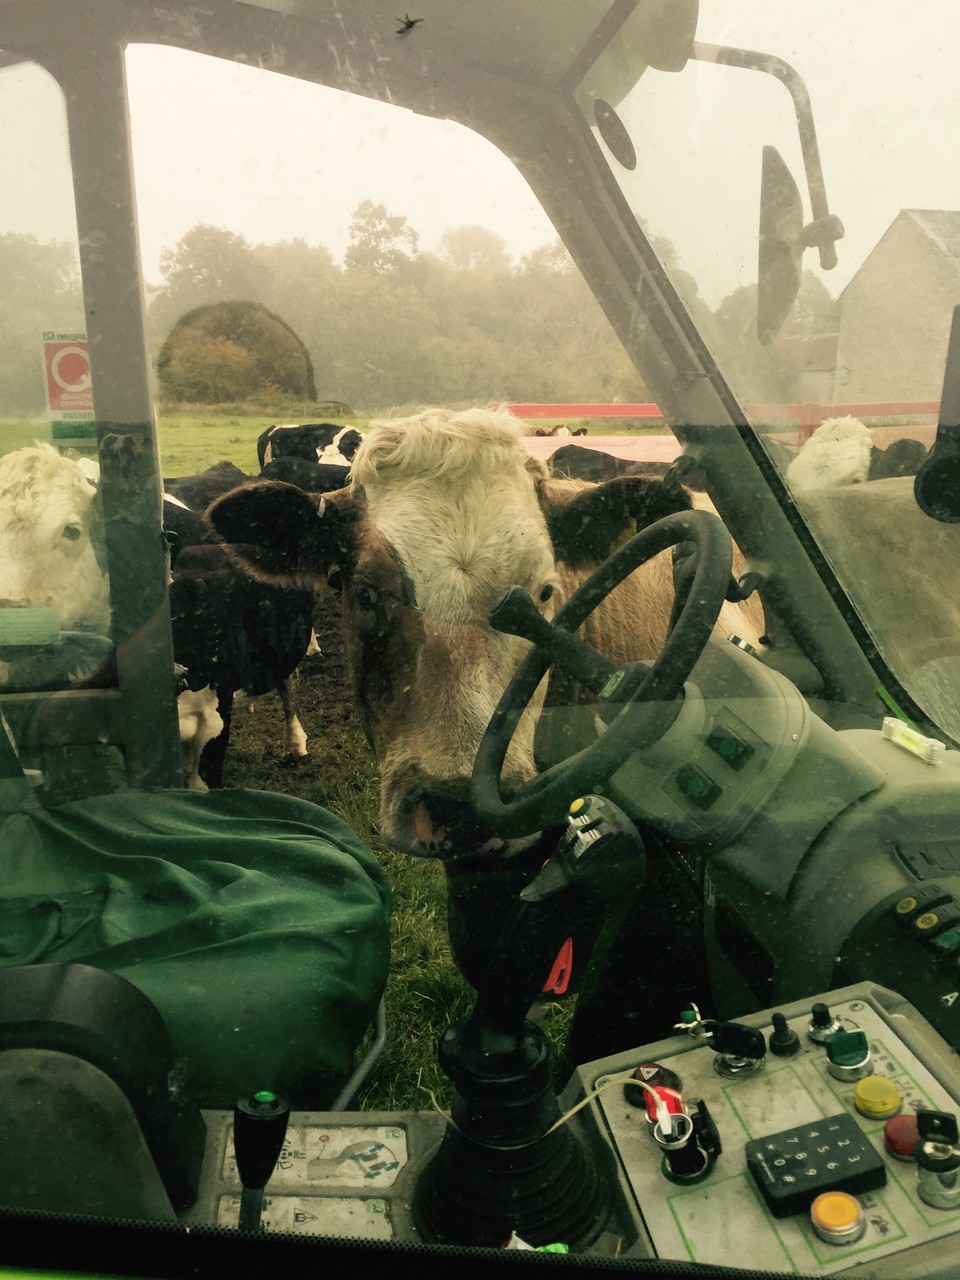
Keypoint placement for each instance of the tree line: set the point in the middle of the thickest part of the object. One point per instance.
(391, 325)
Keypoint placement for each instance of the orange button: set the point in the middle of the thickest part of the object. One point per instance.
(837, 1217)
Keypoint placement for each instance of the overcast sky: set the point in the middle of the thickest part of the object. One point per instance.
(272, 158)
(342, 150)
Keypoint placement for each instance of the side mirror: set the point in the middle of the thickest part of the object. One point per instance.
(780, 252)
(782, 238)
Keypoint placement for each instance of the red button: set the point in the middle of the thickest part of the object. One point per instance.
(901, 1135)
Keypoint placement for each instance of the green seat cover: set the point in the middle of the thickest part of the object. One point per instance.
(257, 923)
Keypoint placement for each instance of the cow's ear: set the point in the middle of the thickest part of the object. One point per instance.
(283, 534)
(586, 521)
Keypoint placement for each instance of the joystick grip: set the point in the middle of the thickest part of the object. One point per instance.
(598, 860)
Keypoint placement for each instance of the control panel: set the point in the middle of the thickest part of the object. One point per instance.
(810, 1139)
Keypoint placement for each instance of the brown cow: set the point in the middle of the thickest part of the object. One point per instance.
(444, 512)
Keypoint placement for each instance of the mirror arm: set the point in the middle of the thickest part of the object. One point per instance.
(826, 227)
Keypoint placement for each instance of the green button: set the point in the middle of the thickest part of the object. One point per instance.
(949, 940)
(848, 1048)
(697, 787)
(731, 749)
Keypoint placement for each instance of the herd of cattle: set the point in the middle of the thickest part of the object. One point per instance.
(235, 631)
(424, 522)
(231, 632)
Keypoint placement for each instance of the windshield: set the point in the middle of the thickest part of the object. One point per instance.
(791, 178)
(400, 416)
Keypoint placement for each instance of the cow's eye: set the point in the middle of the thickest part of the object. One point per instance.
(366, 597)
(334, 580)
(73, 532)
(545, 593)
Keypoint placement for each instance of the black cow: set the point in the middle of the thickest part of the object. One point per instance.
(230, 631)
(577, 462)
(902, 457)
(314, 477)
(315, 441)
(197, 492)
(234, 633)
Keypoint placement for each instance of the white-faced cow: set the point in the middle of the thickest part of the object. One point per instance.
(316, 441)
(51, 539)
(52, 556)
(842, 451)
(444, 512)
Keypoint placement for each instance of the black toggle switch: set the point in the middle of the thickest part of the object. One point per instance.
(783, 1040)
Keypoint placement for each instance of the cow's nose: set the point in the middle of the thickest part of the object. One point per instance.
(450, 828)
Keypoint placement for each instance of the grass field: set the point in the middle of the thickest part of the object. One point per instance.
(192, 437)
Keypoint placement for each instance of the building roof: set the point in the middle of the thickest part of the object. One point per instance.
(943, 228)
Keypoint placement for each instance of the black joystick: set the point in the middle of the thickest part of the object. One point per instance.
(259, 1128)
(502, 1166)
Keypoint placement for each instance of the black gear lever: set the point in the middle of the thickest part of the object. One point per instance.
(504, 1163)
(259, 1128)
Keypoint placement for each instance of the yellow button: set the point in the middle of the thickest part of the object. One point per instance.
(837, 1217)
(876, 1097)
(577, 804)
(905, 905)
(927, 920)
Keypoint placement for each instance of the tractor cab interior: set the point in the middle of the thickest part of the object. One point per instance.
(758, 844)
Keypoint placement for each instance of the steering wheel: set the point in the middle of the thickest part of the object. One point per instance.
(646, 695)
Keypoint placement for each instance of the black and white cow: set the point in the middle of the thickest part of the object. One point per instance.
(316, 441)
(561, 430)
